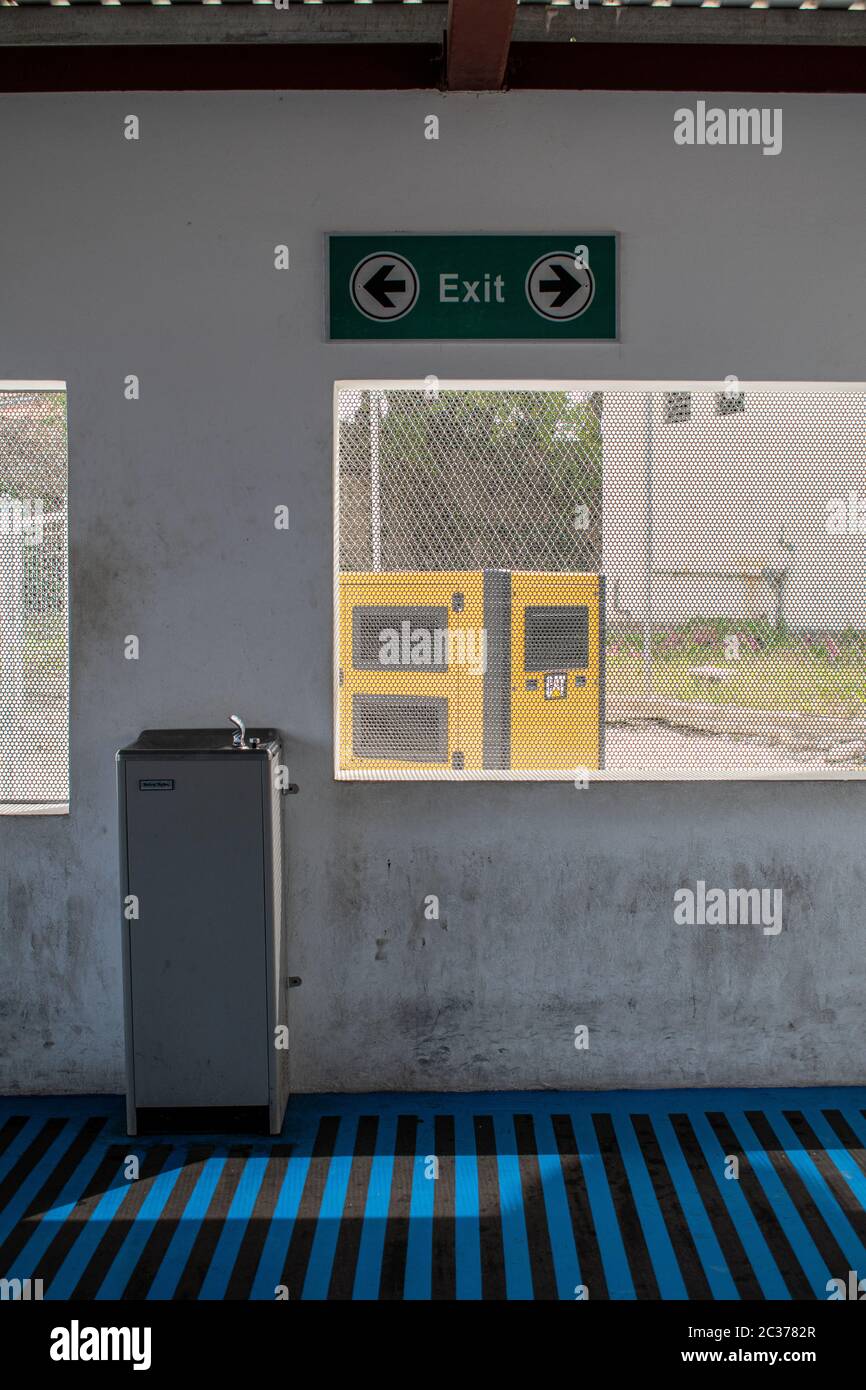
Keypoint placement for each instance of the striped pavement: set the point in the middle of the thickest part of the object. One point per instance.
(703, 1195)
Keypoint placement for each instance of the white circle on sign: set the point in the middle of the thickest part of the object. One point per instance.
(384, 286)
(557, 289)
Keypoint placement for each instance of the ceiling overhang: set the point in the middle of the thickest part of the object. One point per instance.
(464, 45)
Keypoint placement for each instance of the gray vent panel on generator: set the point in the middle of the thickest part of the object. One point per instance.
(412, 728)
(205, 971)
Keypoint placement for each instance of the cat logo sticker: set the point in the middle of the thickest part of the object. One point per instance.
(556, 685)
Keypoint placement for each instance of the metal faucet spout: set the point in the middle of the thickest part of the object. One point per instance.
(239, 737)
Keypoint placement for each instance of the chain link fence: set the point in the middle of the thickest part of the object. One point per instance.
(34, 703)
(463, 480)
(726, 526)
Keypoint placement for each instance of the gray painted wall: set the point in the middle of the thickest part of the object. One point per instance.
(156, 258)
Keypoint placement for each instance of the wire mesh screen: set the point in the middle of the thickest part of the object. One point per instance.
(627, 583)
(441, 480)
(34, 707)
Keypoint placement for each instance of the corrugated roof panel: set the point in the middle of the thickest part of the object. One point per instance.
(566, 4)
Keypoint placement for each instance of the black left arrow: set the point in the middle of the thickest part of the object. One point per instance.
(564, 286)
(381, 288)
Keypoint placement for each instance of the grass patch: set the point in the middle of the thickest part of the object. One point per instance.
(811, 672)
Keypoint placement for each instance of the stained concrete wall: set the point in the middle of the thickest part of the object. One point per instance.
(156, 258)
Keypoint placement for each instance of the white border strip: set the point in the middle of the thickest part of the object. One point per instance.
(836, 388)
(32, 385)
(594, 776)
(339, 386)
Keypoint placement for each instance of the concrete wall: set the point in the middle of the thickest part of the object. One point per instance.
(556, 905)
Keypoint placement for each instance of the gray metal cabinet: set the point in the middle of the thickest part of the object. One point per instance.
(205, 970)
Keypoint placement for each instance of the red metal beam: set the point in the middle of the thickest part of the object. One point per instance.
(365, 67)
(682, 67)
(479, 37)
(222, 67)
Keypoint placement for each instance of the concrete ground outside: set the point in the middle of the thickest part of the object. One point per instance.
(666, 749)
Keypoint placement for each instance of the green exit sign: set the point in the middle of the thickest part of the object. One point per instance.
(559, 285)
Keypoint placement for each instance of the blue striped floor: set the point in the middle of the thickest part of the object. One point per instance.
(518, 1195)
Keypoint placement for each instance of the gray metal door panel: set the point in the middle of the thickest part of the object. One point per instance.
(197, 951)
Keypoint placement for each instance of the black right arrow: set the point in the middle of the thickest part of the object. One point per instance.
(564, 286)
(379, 286)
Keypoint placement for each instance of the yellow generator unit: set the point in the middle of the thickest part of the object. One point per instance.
(470, 670)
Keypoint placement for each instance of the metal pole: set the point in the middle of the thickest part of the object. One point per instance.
(375, 492)
(648, 586)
